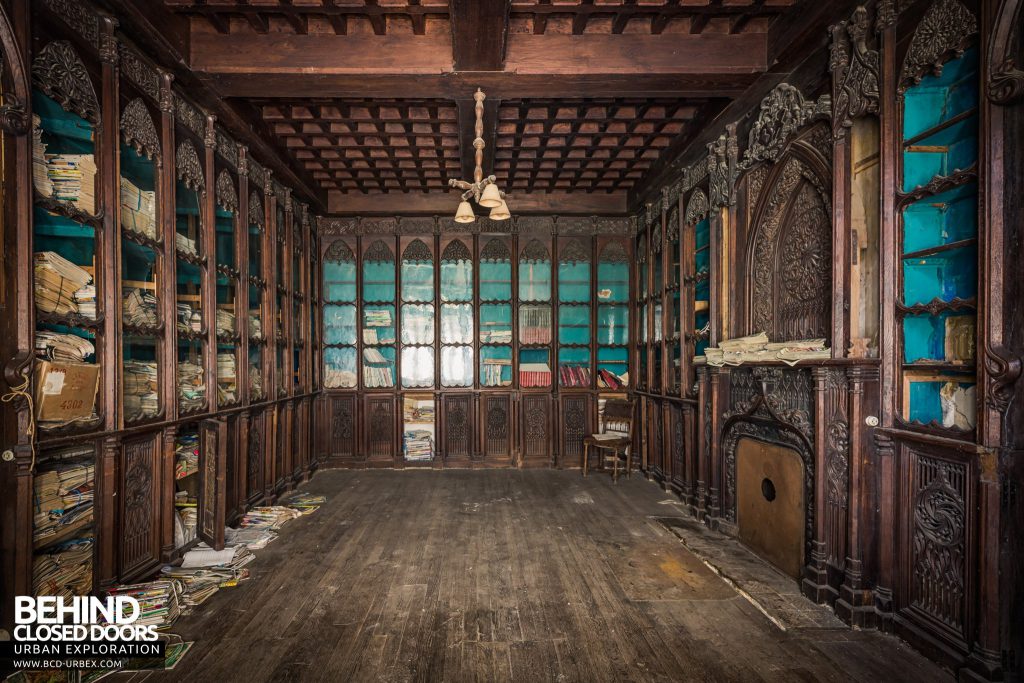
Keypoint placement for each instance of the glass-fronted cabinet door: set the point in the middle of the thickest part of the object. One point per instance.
(227, 284)
(535, 323)
(574, 313)
(340, 330)
(190, 280)
(495, 313)
(257, 284)
(613, 337)
(457, 319)
(282, 363)
(673, 301)
(417, 325)
(379, 319)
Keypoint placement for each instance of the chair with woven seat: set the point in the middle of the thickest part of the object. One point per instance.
(614, 441)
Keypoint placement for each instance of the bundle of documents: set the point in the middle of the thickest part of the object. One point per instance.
(306, 502)
(158, 601)
(226, 383)
(185, 245)
(535, 325)
(202, 556)
(225, 322)
(534, 375)
(377, 370)
(40, 175)
(268, 517)
(189, 319)
(756, 348)
(57, 280)
(85, 298)
(377, 317)
(139, 307)
(253, 538)
(336, 377)
(74, 179)
(63, 347)
(255, 383)
(140, 385)
(197, 585)
(191, 388)
(186, 455)
(185, 519)
(66, 570)
(255, 326)
(419, 444)
(138, 209)
(493, 369)
(63, 497)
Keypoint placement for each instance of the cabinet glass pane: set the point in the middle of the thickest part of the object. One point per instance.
(573, 367)
(417, 324)
(535, 273)
(937, 99)
(612, 368)
(417, 366)
(191, 383)
(456, 323)
(340, 324)
(378, 273)
(939, 154)
(457, 366)
(947, 337)
(456, 274)
(573, 282)
(189, 298)
(187, 221)
(613, 282)
(946, 275)
(339, 281)
(496, 366)
(943, 219)
(379, 367)
(948, 400)
(138, 194)
(534, 368)
(141, 378)
(379, 324)
(612, 325)
(574, 324)
(225, 237)
(496, 324)
(534, 324)
(417, 273)
(339, 368)
(256, 390)
(495, 272)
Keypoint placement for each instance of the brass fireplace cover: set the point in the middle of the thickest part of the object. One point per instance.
(770, 503)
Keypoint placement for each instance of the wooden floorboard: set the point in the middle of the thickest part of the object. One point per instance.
(498, 575)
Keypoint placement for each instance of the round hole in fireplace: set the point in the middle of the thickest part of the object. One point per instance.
(768, 489)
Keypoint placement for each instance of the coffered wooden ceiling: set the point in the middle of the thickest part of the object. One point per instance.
(587, 100)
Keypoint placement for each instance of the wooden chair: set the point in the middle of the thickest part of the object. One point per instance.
(614, 442)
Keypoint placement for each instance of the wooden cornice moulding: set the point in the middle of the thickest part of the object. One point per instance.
(79, 17)
(139, 71)
(189, 116)
(227, 149)
(424, 225)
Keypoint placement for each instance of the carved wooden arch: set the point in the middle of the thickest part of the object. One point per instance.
(456, 251)
(495, 250)
(225, 192)
(696, 207)
(789, 243)
(417, 250)
(189, 170)
(947, 29)
(614, 252)
(15, 81)
(1006, 46)
(574, 252)
(339, 252)
(256, 215)
(138, 129)
(59, 72)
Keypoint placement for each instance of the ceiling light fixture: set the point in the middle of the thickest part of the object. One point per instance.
(482, 190)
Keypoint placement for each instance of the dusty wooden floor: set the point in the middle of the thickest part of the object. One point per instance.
(504, 575)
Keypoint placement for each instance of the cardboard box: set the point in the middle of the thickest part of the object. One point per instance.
(65, 391)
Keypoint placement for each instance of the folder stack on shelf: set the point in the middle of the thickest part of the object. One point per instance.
(57, 280)
(74, 179)
(191, 387)
(139, 307)
(225, 322)
(185, 244)
(63, 347)
(140, 385)
(226, 384)
(63, 498)
(186, 455)
(66, 570)
(534, 375)
(138, 209)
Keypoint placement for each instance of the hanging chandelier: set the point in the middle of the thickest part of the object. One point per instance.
(482, 190)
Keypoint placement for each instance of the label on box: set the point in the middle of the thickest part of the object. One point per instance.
(54, 383)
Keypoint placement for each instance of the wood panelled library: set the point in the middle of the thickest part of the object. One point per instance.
(529, 340)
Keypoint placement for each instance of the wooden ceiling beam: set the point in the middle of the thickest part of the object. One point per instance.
(479, 34)
(445, 203)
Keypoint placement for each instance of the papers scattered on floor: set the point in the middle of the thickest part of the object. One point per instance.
(203, 556)
(269, 517)
(158, 601)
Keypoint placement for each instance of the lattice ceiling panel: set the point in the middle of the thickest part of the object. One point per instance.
(370, 145)
(585, 145)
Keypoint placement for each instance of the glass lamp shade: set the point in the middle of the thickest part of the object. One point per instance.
(465, 213)
(491, 197)
(500, 212)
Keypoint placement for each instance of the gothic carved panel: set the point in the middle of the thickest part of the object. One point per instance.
(255, 456)
(58, 71)
(574, 428)
(139, 543)
(139, 72)
(945, 32)
(783, 112)
(343, 427)
(381, 437)
(497, 416)
(536, 426)
(138, 129)
(458, 426)
(189, 170)
(256, 214)
(696, 207)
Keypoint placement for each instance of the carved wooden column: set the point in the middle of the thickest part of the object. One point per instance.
(815, 583)
(886, 453)
(165, 464)
(105, 569)
(703, 454)
(209, 250)
(719, 399)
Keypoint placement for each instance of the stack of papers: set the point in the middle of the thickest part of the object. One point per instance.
(158, 601)
(534, 375)
(139, 308)
(86, 300)
(253, 538)
(185, 245)
(40, 175)
(185, 519)
(200, 584)
(63, 347)
(225, 322)
(191, 389)
(306, 502)
(203, 556)
(255, 383)
(140, 385)
(186, 455)
(756, 348)
(376, 376)
(419, 444)
(255, 326)
(57, 281)
(66, 571)
(74, 179)
(63, 496)
(226, 384)
(269, 517)
(138, 209)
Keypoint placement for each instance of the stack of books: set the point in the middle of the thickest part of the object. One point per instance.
(493, 369)
(140, 385)
(186, 455)
(189, 319)
(63, 347)
(535, 325)
(138, 209)
(756, 348)
(85, 298)
(57, 281)
(63, 498)
(573, 375)
(185, 245)
(139, 307)
(225, 322)
(226, 380)
(534, 375)
(66, 571)
(418, 444)
(191, 386)
(158, 601)
(74, 179)
(40, 175)
(377, 369)
(609, 380)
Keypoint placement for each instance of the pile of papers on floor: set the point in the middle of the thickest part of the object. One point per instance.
(63, 347)
(73, 177)
(226, 384)
(203, 556)
(268, 517)
(63, 497)
(185, 245)
(138, 209)
(57, 280)
(305, 503)
(140, 385)
(186, 455)
(756, 348)
(225, 322)
(139, 307)
(158, 601)
(253, 538)
(191, 389)
(65, 571)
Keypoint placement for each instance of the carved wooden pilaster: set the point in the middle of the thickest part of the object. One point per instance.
(704, 428)
(815, 575)
(166, 497)
(105, 514)
(718, 379)
(885, 449)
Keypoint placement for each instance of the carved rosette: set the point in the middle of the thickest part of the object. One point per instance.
(782, 113)
(58, 71)
(945, 32)
(854, 72)
(189, 170)
(138, 129)
(225, 193)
